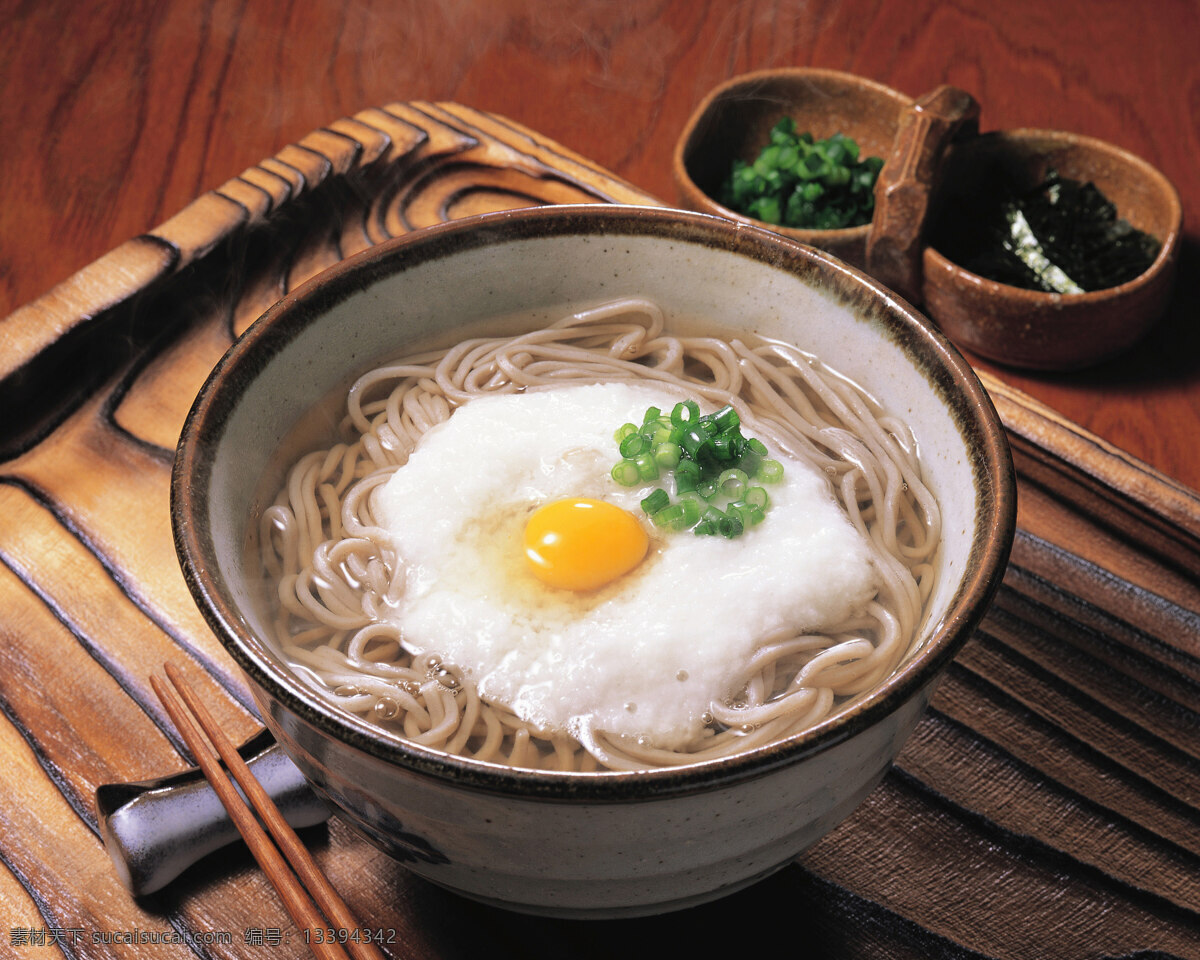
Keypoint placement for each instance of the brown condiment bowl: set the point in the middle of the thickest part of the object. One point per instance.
(1051, 331)
(734, 122)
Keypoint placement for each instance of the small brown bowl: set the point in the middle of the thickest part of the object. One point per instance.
(1051, 331)
(734, 122)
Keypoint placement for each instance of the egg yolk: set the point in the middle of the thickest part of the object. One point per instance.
(581, 544)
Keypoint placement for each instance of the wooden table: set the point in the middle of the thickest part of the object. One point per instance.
(1047, 807)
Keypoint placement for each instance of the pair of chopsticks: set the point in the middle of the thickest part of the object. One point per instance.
(297, 889)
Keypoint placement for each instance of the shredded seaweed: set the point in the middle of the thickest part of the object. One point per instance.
(1063, 236)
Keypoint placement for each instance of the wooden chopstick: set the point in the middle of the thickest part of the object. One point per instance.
(292, 891)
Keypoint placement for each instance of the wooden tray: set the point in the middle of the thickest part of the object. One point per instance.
(1048, 806)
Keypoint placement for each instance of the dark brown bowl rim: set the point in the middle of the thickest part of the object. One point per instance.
(1033, 299)
(681, 153)
(945, 369)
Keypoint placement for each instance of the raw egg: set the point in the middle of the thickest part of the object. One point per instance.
(583, 544)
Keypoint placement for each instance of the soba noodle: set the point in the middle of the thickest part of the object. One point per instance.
(337, 573)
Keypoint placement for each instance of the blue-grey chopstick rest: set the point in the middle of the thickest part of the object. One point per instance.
(156, 829)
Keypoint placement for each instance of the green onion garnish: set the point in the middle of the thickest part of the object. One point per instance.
(625, 472)
(712, 514)
(724, 448)
(667, 455)
(656, 501)
(686, 411)
(708, 487)
(632, 445)
(718, 472)
(647, 468)
(732, 483)
(749, 514)
(693, 508)
(670, 518)
(757, 497)
(687, 473)
(798, 181)
(749, 462)
(770, 471)
(693, 442)
(623, 431)
(726, 419)
(730, 527)
(657, 431)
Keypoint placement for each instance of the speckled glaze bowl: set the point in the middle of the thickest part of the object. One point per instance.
(600, 844)
(734, 122)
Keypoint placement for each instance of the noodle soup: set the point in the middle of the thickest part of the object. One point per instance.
(511, 671)
(676, 812)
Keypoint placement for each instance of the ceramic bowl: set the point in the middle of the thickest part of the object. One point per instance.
(734, 122)
(1050, 331)
(587, 844)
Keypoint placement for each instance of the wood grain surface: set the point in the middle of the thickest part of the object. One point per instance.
(116, 115)
(1048, 806)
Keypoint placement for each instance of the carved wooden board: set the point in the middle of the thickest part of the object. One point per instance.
(1048, 806)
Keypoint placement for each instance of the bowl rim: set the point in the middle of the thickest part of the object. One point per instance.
(684, 146)
(943, 366)
(934, 259)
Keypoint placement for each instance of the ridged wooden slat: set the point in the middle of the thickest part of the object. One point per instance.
(29, 330)
(1125, 497)
(1048, 805)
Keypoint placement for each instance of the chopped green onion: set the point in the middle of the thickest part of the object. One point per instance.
(707, 488)
(625, 472)
(749, 462)
(671, 518)
(623, 431)
(757, 497)
(686, 411)
(798, 181)
(694, 441)
(687, 472)
(646, 467)
(656, 501)
(667, 455)
(726, 419)
(732, 483)
(657, 431)
(690, 469)
(632, 445)
(749, 514)
(684, 483)
(712, 464)
(724, 449)
(770, 471)
(712, 514)
(693, 507)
